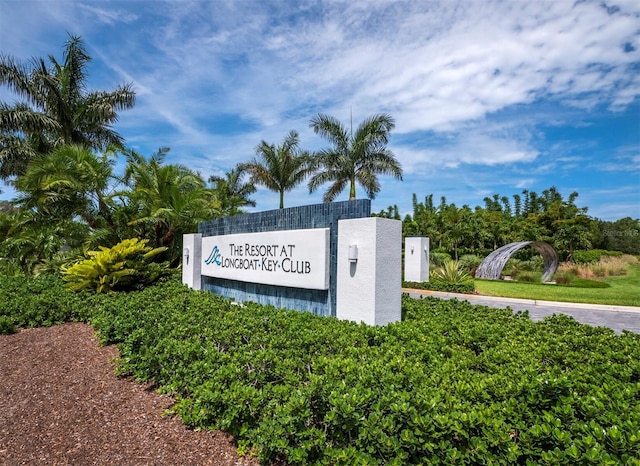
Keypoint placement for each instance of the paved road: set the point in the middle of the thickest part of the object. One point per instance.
(617, 318)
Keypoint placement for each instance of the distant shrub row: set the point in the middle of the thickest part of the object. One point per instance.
(593, 255)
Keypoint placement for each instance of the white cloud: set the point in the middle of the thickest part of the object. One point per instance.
(451, 73)
(109, 16)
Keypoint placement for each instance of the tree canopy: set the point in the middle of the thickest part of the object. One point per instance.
(352, 158)
(56, 108)
(280, 168)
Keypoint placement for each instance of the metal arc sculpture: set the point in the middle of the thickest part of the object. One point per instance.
(491, 267)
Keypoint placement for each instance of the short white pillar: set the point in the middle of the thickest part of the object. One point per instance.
(416, 259)
(369, 270)
(192, 260)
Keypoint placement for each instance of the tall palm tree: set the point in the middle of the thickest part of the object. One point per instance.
(353, 157)
(232, 192)
(280, 168)
(57, 109)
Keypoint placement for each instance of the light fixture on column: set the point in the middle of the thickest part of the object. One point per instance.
(353, 253)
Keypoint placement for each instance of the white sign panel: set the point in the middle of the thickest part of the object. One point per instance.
(295, 258)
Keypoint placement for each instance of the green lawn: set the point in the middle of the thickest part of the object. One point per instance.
(624, 290)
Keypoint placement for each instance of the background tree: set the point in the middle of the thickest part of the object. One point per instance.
(279, 168)
(621, 235)
(530, 217)
(232, 192)
(56, 109)
(165, 201)
(71, 181)
(355, 157)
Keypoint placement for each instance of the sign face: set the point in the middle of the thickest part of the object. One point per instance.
(295, 258)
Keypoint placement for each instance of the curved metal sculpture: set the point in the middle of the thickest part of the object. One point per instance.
(492, 265)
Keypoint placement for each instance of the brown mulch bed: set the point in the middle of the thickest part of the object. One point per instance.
(62, 404)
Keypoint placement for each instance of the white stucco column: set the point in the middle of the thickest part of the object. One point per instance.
(369, 270)
(192, 260)
(416, 259)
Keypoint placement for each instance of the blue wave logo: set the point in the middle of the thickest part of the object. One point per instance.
(214, 257)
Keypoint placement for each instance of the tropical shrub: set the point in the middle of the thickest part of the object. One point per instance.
(9, 268)
(529, 277)
(469, 262)
(514, 266)
(7, 326)
(438, 259)
(451, 272)
(127, 265)
(470, 384)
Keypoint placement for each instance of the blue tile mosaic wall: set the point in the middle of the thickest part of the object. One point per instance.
(322, 302)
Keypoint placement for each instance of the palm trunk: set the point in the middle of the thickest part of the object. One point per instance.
(282, 199)
(352, 191)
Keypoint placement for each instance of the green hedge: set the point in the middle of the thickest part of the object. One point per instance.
(436, 284)
(451, 384)
(37, 302)
(593, 255)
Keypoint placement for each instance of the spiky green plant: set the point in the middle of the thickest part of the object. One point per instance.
(451, 272)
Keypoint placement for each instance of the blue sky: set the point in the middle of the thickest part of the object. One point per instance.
(488, 97)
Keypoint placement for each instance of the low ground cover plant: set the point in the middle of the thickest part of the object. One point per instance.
(37, 302)
(451, 384)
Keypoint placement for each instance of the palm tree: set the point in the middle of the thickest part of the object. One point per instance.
(165, 201)
(57, 109)
(232, 192)
(70, 181)
(28, 242)
(280, 168)
(360, 157)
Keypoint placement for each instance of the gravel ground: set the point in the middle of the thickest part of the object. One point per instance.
(61, 404)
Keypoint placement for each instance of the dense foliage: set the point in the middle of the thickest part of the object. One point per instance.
(127, 265)
(358, 156)
(56, 109)
(436, 284)
(593, 255)
(530, 216)
(453, 383)
(41, 302)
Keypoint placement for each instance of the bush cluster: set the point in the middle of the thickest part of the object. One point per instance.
(37, 302)
(451, 384)
(593, 255)
(125, 266)
(437, 284)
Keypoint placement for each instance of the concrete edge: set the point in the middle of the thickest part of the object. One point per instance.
(530, 302)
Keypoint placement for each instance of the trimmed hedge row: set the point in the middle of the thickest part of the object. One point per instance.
(451, 384)
(436, 284)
